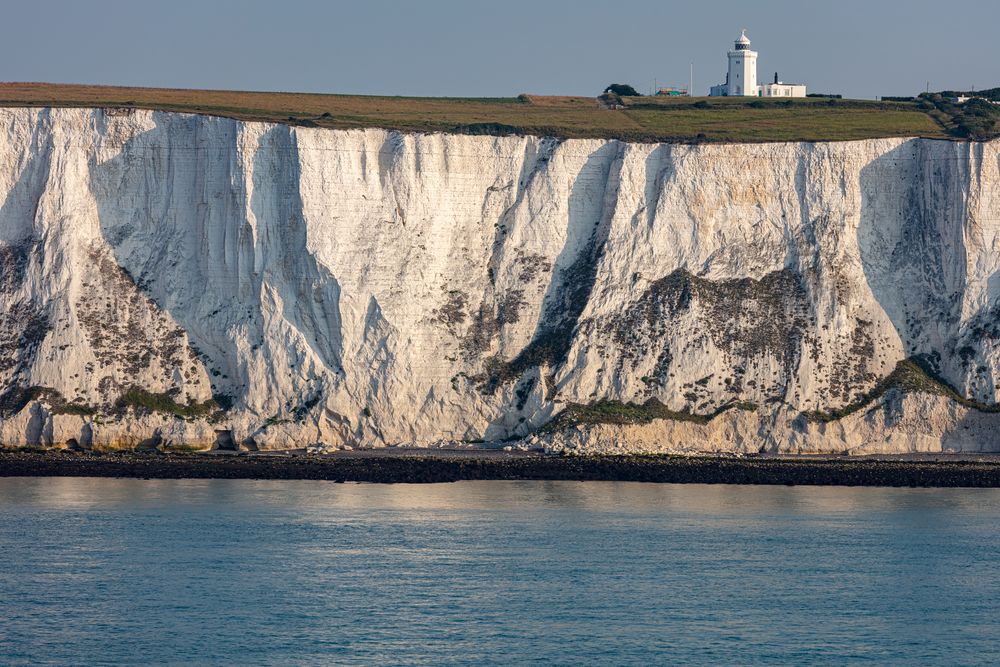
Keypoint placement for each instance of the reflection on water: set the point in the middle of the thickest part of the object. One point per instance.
(277, 572)
(73, 493)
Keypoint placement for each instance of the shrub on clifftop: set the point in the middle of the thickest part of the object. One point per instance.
(622, 90)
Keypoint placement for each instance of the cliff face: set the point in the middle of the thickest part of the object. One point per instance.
(177, 278)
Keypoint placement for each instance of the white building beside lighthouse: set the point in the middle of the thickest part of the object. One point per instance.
(741, 77)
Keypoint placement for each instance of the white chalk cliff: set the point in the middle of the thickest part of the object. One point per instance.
(171, 278)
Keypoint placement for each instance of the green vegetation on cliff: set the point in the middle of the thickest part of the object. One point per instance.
(909, 376)
(616, 412)
(163, 403)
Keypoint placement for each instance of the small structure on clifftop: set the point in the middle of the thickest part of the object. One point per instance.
(741, 77)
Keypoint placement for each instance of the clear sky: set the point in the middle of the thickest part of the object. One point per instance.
(860, 48)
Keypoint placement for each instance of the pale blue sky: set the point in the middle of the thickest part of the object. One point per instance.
(861, 48)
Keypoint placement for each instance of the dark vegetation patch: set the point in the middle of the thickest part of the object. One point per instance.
(992, 94)
(23, 324)
(744, 318)
(302, 409)
(297, 412)
(23, 327)
(16, 398)
(812, 102)
(453, 313)
(616, 412)
(915, 375)
(224, 401)
(980, 333)
(530, 267)
(554, 337)
(491, 129)
(495, 311)
(984, 327)
(144, 401)
(852, 373)
(128, 332)
(975, 119)
(13, 265)
(509, 307)
(479, 338)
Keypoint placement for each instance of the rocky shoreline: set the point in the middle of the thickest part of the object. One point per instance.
(433, 467)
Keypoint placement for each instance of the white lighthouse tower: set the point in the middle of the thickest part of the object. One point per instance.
(742, 79)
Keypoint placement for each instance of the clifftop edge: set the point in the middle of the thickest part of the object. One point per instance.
(642, 119)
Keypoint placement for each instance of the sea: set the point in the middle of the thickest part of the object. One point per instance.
(237, 572)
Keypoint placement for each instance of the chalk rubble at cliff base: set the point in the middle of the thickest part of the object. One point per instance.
(171, 279)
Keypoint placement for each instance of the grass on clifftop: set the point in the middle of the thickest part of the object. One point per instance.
(641, 119)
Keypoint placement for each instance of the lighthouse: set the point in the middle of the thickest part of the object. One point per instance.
(742, 78)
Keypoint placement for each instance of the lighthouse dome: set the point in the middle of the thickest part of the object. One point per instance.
(743, 43)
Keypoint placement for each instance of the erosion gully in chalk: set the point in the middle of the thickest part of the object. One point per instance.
(172, 279)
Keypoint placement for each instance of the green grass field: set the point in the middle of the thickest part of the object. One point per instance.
(641, 119)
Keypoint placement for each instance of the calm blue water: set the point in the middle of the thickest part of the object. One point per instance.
(101, 571)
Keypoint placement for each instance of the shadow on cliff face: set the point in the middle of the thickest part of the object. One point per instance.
(310, 293)
(975, 349)
(23, 322)
(574, 270)
(17, 213)
(911, 241)
(660, 168)
(173, 206)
